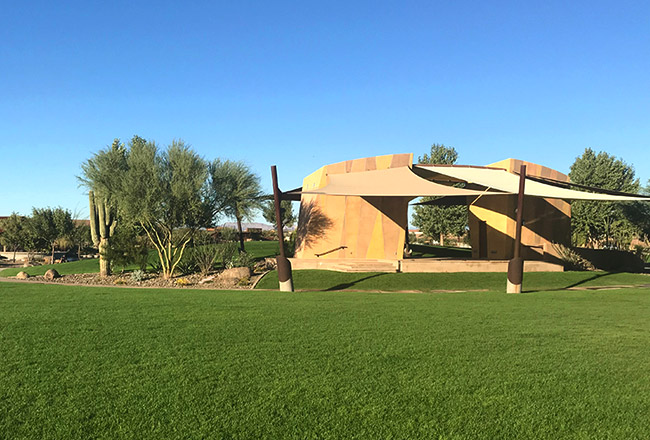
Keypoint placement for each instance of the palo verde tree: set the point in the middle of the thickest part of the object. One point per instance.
(235, 191)
(165, 193)
(440, 220)
(286, 213)
(103, 175)
(13, 233)
(603, 223)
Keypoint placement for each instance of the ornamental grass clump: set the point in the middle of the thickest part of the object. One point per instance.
(571, 259)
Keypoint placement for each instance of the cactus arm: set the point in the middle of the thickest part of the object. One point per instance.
(103, 233)
(93, 219)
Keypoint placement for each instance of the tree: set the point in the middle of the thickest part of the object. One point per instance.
(103, 175)
(286, 213)
(440, 220)
(597, 223)
(13, 233)
(51, 225)
(81, 237)
(235, 191)
(165, 193)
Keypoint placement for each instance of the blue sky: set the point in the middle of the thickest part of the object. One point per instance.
(303, 84)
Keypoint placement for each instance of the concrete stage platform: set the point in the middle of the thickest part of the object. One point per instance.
(418, 265)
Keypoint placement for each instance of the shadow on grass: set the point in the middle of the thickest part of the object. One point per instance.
(576, 284)
(344, 286)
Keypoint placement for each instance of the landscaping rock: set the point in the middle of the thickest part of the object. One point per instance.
(51, 274)
(22, 275)
(207, 279)
(265, 264)
(232, 276)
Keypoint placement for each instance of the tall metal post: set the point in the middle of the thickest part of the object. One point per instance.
(516, 265)
(284, 265)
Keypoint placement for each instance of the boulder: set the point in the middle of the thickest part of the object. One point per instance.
(265, 264)
(22, 275)
(232, 276)
(51, 274)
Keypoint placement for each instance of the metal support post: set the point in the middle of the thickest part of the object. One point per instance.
(516, 265)
(284, 265)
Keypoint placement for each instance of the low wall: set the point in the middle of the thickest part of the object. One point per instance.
(419, 265)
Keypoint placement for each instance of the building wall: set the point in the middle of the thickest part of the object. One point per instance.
(368, 227)
(546, 221)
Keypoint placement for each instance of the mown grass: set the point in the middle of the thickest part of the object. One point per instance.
(434, 251)
(81, 362)
(427, 282)
(257, 249)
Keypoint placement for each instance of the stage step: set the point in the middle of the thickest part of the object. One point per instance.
(346, 265)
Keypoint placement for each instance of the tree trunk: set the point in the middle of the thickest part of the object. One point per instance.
(14, 255)
(104, 264)
(442, 239)
(241, 235)
(52, 261)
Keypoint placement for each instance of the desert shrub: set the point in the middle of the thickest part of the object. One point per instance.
(571, 259)
(643, 252)
(228, 253)
(241, 259)
(205, 257)
(137, 275)
(155, 265)
(289, 245)
(244, 281)
(188, 264)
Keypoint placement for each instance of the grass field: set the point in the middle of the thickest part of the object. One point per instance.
(81, 362)
(427, 282)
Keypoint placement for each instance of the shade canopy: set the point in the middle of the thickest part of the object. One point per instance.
(417, 182)
(397, 182)
(502, 180)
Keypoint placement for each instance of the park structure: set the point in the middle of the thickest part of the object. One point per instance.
(354, 214)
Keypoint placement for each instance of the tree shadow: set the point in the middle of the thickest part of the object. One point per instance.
(576, 284)
(313, 225)
(344, 286)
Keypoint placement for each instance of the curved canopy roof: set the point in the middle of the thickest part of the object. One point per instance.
(399, 182)
(505, 181)
(483, 181)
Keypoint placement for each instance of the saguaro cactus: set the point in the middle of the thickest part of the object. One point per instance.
(102, 226)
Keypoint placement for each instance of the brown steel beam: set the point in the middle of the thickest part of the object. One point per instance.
(516, 265)
(284, 265)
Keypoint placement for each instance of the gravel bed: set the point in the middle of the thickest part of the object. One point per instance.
(181, 282)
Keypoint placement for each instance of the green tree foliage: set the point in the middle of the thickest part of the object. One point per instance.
(129, 245)
(81, 237)
(103, 175)
(440, 220)
(50, 225)
(235, 192)
(13, 233)
(286, 213)
(609, 224)
(165, 193)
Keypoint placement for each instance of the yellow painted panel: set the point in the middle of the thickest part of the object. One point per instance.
(376, 247)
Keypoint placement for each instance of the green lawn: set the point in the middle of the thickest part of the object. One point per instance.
(434, 251)
(427, 282)
(81, 362)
